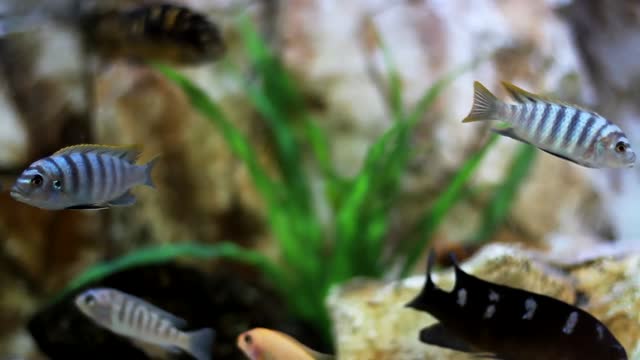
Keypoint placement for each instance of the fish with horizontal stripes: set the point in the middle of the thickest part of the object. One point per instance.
(266, 344)
(84, 177)
(489, 320)
(566, 131)
(127, 315)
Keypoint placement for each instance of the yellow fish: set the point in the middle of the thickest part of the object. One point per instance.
(265, 344)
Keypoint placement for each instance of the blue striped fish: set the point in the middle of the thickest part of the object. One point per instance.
(83, 177)
(567, 131)
(129, 316)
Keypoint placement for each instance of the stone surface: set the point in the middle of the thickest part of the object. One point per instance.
(371, 322)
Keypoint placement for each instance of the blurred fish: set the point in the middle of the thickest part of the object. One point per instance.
(84, 177)
(560, 129)
(147, 32)
(487, 319)
(161, 32)
(265, 344)
(132, 317)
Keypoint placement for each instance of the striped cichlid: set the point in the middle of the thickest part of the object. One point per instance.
(129, 316)
(83, 177)
(567, 131)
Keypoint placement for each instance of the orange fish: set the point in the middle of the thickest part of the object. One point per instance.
(265, 344)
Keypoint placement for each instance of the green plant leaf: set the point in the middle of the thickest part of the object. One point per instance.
(166, 253)
(447, 199)
(504, 196)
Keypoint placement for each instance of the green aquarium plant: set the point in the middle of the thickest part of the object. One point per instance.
(313, 256)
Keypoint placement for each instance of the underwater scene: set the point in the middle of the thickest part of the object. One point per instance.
(319, 179)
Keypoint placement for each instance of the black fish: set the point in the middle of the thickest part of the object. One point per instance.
(160, 32)
(497, 321)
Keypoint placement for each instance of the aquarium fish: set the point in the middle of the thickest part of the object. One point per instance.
(266, 344)
(154, 32)
(84, 177)
(129, 316)
(567, 131)
(487, 319)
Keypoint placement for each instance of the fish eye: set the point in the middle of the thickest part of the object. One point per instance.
(36, 180)
(248, 339)
(90, 300)
(621, 147)
(57, 184)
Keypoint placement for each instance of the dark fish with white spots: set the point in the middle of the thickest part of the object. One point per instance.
(84, 177)
(566, 131)
(129, 316)
(490, 320)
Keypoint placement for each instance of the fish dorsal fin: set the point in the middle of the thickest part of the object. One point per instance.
(460, 274)
(129, 153)
(523, 96)
(429, 286)
(174, 320)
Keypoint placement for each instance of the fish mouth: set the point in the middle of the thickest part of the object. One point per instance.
(16, 193)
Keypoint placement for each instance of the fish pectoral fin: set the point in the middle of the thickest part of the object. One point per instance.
(438, 335)
(566, 158)
(87, 207)
(126, 199)
(510, 133)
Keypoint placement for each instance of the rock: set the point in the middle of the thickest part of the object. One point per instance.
(371, 322)
(614, 294)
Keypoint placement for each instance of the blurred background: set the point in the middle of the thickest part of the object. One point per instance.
(323, 143)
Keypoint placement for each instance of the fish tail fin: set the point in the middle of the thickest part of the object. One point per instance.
(485, 104)
(148, 168)
(201, 342)
(429, 286)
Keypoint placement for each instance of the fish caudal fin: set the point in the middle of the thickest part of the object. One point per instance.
(200, 343)
(419, 302)
(148, 168)
(485, 104)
